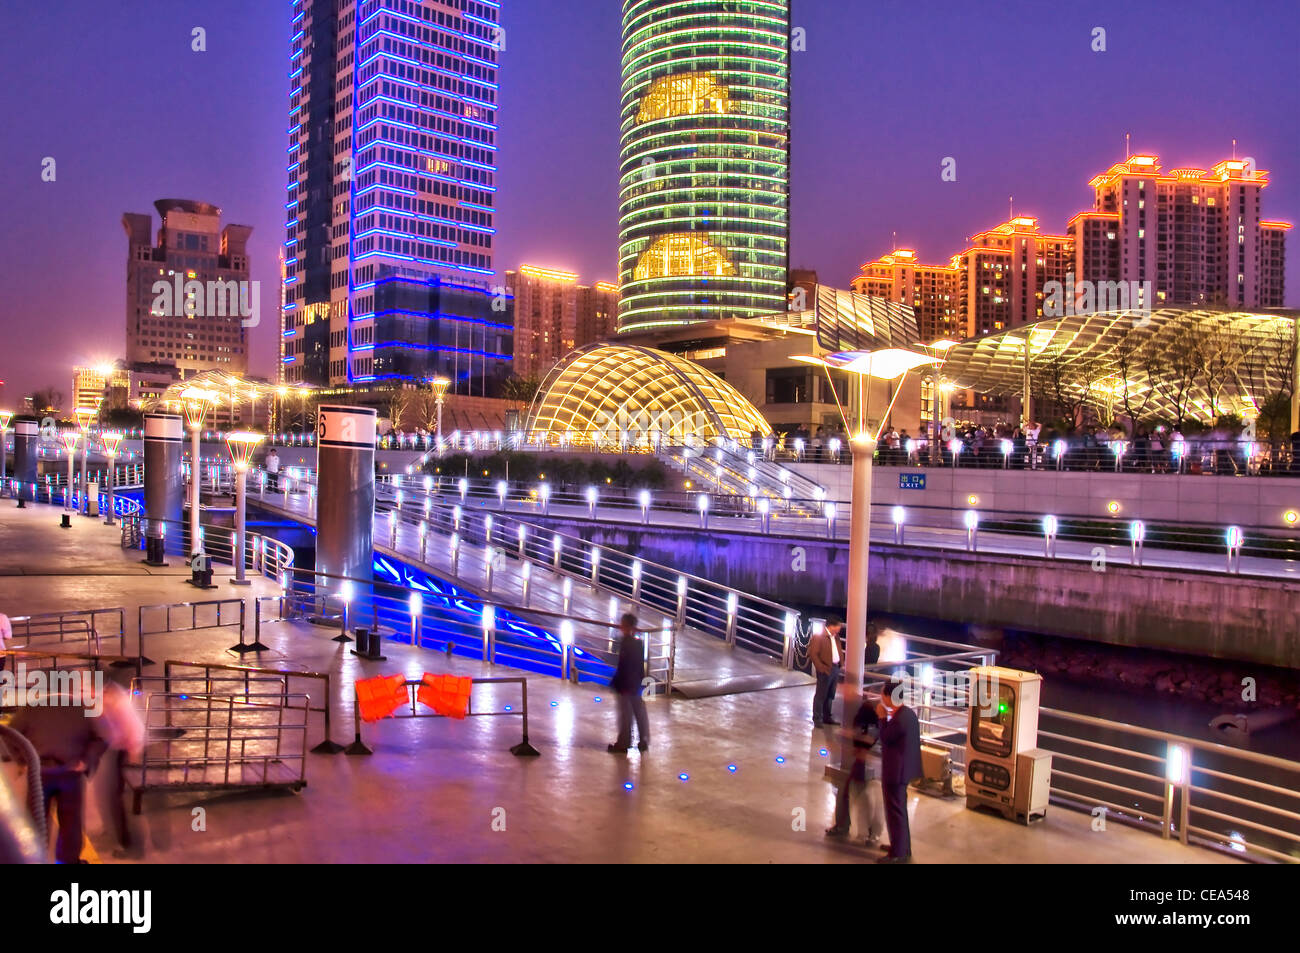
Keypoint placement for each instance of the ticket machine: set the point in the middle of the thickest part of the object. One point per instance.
(1005, 770)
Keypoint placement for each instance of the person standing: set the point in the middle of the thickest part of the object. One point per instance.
(872, 654)
(900, 763)
(273, 470)
(628, 674)
(824, 654)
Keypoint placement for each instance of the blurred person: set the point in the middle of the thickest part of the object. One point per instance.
(873, 644)
(900, 763)
(70, 746)
(628, 675)
(122, 728)
(863, 778)
(824, 654)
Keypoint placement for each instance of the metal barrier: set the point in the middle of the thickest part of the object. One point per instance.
(66, 661)
(173, 674)
(91, 627)
(206, 742)
(194, 622)
(494, 632)
(1204, 793)
(523, 749)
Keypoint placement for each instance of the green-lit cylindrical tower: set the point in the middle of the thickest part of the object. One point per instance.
(704, 190)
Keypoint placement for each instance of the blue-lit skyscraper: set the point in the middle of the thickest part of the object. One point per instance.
(391, 182)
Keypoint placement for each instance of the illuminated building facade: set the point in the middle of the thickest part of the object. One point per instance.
(554, 314)
(191, 245)
(390, 203)
(704, 165)
(1002, 273)
(933, 291)
(604, 391)
(1197, 235)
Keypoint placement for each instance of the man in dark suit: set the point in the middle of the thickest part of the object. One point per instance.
(628, 675)
(900, 740)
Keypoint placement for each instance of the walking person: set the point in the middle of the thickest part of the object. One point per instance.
(863, 779)
(900, 763)
(824, 654)
(626, 683)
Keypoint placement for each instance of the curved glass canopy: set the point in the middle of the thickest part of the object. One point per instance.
(625, 395)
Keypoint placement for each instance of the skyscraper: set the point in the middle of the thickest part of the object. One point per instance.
(554, 314)
(704, 166)
(389, 209)
(194, 328)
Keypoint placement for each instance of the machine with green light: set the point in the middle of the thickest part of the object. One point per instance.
(1005, 770)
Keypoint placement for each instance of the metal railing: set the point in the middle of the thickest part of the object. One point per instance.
(89, 628)
(211, 610)
(737, 618)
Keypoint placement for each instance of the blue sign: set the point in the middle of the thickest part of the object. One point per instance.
(911, 481)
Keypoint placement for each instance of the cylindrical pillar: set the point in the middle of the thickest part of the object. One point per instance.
(241, 523)
(164, 481)
(196, 472)
(345, 507)
(855, 641)
(26, 434)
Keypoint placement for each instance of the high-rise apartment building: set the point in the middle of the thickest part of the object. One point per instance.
(390, 203)
(554, 314)
(933, 291)
(704, 181)
(169, 319)
(1003, 271)
(1197, 235)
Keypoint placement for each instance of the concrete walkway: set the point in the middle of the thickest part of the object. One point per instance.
(728, 779)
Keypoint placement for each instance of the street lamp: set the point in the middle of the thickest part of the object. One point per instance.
(440, 385)
(242, 446)
(70, 438)
(85, 417)
(197, 402)
(887, 364)
(111, 442)
(5, 417)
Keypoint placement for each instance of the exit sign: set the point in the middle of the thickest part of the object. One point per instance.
(911, 481)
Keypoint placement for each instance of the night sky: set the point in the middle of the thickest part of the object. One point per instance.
(884, 92)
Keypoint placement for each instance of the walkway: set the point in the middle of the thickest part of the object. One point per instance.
(433, 787)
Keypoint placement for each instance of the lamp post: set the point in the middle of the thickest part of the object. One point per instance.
(5, 417)
(85, 417)
(197, 402)
(888, 364)
(241, 446)
(70, 438)
(440, 385)
(111, 442)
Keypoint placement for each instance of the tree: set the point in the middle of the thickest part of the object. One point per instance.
(47, 400)
(398, 400)
(521, 391)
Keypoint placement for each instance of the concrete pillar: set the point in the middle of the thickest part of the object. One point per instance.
(345, 501)
(164, 481)
(26, 434)
(1295, 374)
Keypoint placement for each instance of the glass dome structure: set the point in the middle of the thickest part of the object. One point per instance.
(631, 396)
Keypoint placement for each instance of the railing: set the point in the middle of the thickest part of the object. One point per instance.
(213, 610)
(90, 628)
(735, 617)
(1204, 793)
(264, 555)
(566, 645)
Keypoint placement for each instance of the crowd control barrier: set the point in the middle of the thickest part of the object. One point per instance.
(220, 616)
(177, 673)
(411, 688)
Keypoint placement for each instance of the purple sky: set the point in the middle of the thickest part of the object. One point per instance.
(883, 93)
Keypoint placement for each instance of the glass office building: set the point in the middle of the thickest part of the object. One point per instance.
(704, 165)
(388, 272)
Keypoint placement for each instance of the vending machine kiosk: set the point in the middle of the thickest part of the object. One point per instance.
(1005, 770)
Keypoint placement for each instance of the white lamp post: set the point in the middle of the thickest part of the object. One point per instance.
(85, 417)
(5, 417)
(242, 447)
(70, 438)
(111, 442)
(197, 403)
(887, 364)
(440, 385)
